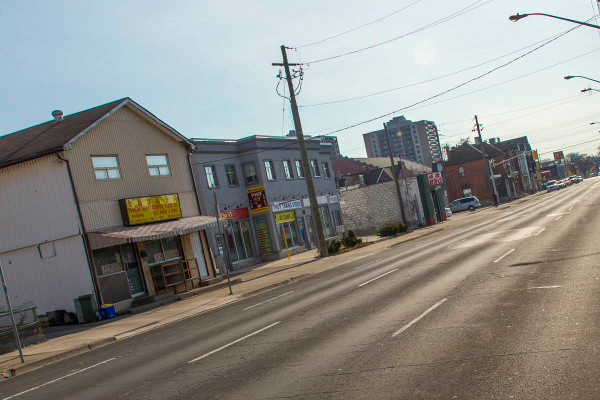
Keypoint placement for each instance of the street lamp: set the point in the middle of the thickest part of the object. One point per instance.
(592, 123)
(515, 18)
(579, 76)
(589, 89)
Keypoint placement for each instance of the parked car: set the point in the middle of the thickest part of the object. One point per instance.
(552, 185)
(466, 203)
(562, 184)
(448, 212)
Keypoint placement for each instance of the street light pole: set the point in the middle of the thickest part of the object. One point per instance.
(515, 18)
(588, 90)
(579, 76)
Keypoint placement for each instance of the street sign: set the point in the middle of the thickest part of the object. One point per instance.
(558, 155)
(435, 178)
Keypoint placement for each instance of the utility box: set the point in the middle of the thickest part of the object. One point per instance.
(85, 308)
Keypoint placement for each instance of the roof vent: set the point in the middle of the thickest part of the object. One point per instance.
(58, 115)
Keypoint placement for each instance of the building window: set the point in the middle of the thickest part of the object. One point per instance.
(326, 172)
(314, 166)
(211, 176)
(300, 169)
(231, 175)
(106, 167)
(467, 192)
(461, 171)
(250, 173)
(158, 165)
(270, 168)
(287, 167)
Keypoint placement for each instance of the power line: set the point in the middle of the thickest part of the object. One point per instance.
(360, 27)
(465, 10)
(573, 145)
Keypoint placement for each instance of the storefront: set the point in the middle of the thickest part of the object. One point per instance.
(287, 228)
(236, 234)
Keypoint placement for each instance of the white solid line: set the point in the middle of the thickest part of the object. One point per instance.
(541, 230)
(545, 287)
(492, 227)
(380, 276)
(504, 255)
(266, 301)
(58, 379)
(414, 321)
(453, 244)
(364, 265)
(234, 342)
(559, 217)
(570, 208)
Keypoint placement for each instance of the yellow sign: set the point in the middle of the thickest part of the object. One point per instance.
(285, 217)
(142, 210)
(257, 198)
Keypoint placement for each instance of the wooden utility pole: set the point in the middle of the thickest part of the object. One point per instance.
(223, 239)
(395, 172)
(312, 196)
(489, 174)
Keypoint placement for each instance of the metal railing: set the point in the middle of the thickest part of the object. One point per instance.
(30, 329)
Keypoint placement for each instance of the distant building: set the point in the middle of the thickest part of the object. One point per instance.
(416, 141)
(335, 148)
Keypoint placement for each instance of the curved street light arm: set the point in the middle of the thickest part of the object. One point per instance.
(579, 76)
(517, 17)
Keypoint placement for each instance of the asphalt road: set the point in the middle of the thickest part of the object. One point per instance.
(502, 306)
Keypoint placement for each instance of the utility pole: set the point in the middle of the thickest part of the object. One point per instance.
(12, 316)
(486, 163)
(394, 172)
(223, 239)
(312, 196)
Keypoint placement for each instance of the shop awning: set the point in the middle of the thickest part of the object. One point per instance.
(160, 230)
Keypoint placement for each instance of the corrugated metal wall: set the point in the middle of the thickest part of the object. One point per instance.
(130, 136)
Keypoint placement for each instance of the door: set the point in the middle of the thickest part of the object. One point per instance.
(134, 273)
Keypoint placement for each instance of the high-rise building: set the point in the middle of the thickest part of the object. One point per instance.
(416, 141)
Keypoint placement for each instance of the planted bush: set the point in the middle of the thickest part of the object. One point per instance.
(392, 230)
(334, 246)
(350, 240)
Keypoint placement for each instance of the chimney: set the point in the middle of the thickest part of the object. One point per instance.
(58, 115)
(477, 141)
(493, 140)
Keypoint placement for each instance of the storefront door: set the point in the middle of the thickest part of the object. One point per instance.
(311, 231)
(133, 270)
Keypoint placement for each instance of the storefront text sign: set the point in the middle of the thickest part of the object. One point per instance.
(320, 201)
(558, 155)
(286, 205)
(435, 178)
(257, 199)
(333, 199)
(233, 213)
(142, 210)
(285, 217)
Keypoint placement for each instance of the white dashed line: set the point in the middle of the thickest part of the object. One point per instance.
(414, 321)
(234, 342)
(540, 231)
(545, 287)
(570, 208)
(504, 255)
(266, 301)
(559, 217)
(364, 265)
(380, 276)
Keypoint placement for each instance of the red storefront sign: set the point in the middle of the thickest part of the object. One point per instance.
(435, 178)
(233, 213)
(558, 155)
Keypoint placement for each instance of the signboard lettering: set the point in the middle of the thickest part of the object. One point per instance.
(257, 199)
(285, 217)
(558, 155)
(435, 178)
(286, 205)
(233, 213)
(142, 210)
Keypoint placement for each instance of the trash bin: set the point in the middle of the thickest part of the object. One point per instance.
(107, 311)
(85, 308)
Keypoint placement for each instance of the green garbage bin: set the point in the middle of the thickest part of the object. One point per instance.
(85, 307)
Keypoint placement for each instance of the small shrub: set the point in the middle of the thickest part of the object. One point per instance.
(350, 240)
(402, 228)
(387, 230)
(334, 246)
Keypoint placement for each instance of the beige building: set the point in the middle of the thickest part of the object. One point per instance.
(100, 202)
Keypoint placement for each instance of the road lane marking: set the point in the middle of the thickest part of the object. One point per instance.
(58, 379)
(234, 342)
(414, 321)
(453, 244)
(555, 214)
(364, 265)
(570, 208)
(266, 301)
(541, 230)
(559, 217)
(504, 255)
(545, 287)
(492, 227)
(380, 276)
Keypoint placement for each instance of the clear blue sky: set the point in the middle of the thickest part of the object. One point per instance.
(204, 67)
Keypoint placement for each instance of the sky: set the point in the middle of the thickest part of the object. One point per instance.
(204, 67)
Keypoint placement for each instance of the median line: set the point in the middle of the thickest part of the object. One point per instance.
(234, 342)
(504, 255)
(414, 321)
(540, 231)
(380, 276)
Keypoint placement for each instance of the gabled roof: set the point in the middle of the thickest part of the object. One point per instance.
(54, 136)
(468, 152)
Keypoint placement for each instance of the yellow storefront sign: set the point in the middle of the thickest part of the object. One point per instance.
(142, 210)
(285, 217)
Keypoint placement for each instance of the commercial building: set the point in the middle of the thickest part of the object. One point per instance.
(260, 185)
(100, 202)
(416, 141)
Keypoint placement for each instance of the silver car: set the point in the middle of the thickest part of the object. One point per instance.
(552, 185)
(466, 203)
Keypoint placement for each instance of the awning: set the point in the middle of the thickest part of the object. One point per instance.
(160, 230)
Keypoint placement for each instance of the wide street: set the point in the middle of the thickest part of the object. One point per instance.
(504, 305)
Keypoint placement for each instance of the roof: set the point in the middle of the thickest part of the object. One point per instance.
(54, 136)
(384, 162)
(468, 152)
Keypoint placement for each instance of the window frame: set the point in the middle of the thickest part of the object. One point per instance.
(228, 174)
(314, 168)
(288, 169)
(255, 173)
(300, 169)
(270, 170)
(215, 182)
(461, 171)
(158, 166)
(106, 169)
(325, 167)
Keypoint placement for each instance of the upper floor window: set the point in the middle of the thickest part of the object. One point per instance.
(232, 179)
(314, 166)
(270, 168)
(211, 176)
(461, 171)
(106, 167)
(326, 171)
(287, 167)
(300, 169)
(158, 165)
(250, 173)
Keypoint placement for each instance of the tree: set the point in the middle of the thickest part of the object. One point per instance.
(464, 140)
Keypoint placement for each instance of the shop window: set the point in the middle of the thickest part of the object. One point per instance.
(106, 167)
(238, 240)
(338, 217)
(326, 172)
(467, 192)
(158, 165)
(250, 173)
(211, 176)
(232, 179)
(461, 171)
(291, 234)
(287, 168)
(300, 169)
(163, 250)
(314, 166)
(270, 169)
(326, 221)
(108, 260)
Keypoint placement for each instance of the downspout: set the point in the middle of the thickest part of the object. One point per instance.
(86, 243)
